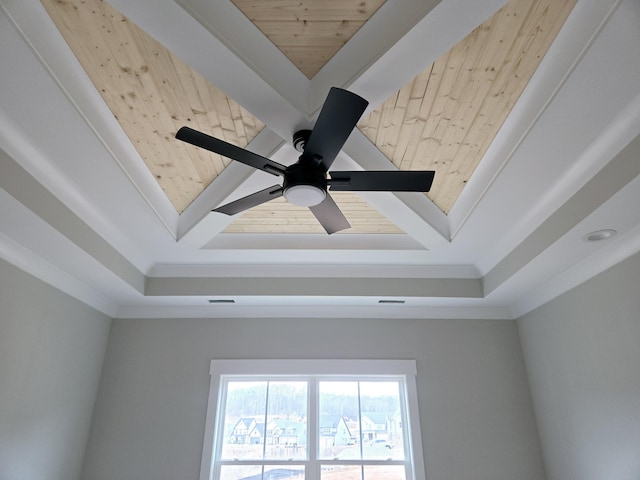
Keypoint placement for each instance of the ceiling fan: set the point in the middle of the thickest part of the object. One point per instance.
(305, 182)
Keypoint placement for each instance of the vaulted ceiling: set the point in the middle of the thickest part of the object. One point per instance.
(527, 111)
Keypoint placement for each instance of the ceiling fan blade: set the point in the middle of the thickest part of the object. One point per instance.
(250, 201)
(387, 181)
(330, 216)
(338, 117)
(228, 150)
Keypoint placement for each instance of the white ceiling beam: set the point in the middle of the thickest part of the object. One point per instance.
(414, 213)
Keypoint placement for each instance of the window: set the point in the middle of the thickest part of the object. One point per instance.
(312, 420)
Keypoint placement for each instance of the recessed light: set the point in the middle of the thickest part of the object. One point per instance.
(599, 235)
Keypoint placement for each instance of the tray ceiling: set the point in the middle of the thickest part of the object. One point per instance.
(531, 123)
(443, 120)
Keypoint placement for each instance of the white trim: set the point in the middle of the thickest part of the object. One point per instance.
(206, 465)
(313, 367)
(413, 427)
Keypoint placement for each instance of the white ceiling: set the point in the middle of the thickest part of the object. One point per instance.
(81, 211)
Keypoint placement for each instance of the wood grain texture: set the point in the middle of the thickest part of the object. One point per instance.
(446, 118)
(308, 32)
(152, 93)
(279, 216)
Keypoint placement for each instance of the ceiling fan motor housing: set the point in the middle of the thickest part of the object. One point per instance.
(300, 139)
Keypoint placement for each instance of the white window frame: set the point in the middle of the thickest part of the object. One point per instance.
(308, 367)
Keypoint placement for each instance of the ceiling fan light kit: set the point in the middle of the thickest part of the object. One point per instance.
(304, 186)
(305, 182)
(304, 195)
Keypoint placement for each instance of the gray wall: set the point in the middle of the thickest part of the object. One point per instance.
(582, 352)
(476, 414)
(51, 353)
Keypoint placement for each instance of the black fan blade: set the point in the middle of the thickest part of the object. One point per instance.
(245, 203)
(382, 181)
(330, 216)
(228, 150)
(338, 117)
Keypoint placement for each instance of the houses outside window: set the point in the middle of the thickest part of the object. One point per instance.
(312, 420)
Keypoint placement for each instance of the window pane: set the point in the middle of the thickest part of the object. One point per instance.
(286, 432)
(381, 421)
(338, 420)
(384, 472)
(254, 472)
(341, 472)
(240, 472)
(244, 418)
(283, 472)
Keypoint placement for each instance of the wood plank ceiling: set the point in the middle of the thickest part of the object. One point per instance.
(445, 119)
(308, 32)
